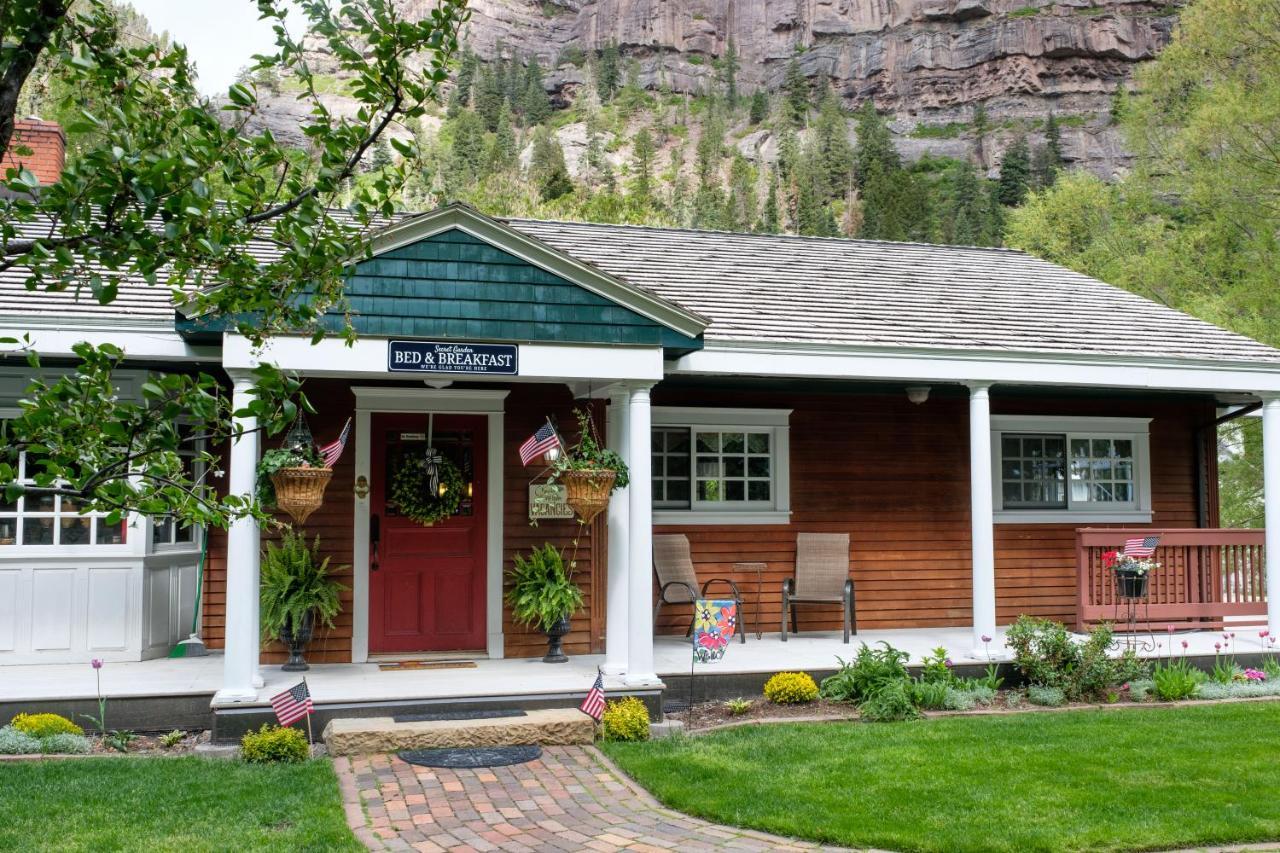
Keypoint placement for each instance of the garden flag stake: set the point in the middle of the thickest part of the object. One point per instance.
(714, 624)
(593, 705)
(294, 704)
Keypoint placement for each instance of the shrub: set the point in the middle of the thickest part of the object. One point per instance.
(1141, 689)
(1050, 697)
(959, 700)
(271, 744)
(64, 743)
(929, 695)
(738, 707)
(15, 742)
(981, 694)
(791, 688)
(1176, 680)
(44, 725)
(1042, 650)
(891, 701)
(625, 719)
(862, 676)
(936, 667)
(1096, 673)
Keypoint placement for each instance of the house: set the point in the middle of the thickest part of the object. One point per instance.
(981, 423)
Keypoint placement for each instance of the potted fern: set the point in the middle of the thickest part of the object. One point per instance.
(296, 593)
(543, 595)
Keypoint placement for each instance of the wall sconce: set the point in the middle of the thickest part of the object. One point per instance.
(917, 393)
(470, 489)
(551, 455)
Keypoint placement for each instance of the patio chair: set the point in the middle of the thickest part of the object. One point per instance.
(678, 583)
(822, 577)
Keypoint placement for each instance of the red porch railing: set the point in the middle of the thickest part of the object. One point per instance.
(1205, 576)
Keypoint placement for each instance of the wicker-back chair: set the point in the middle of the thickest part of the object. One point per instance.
(822, 577)
(678, 582)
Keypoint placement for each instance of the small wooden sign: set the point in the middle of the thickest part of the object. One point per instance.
(547, 500)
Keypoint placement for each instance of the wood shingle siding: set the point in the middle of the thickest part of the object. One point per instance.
(452, 285)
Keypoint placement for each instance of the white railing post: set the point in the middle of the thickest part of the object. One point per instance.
(640, 669)
(1271, 499)
(982, 516)
(616, 616)
(240, 678)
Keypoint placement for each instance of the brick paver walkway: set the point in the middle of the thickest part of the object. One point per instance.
(573, 798)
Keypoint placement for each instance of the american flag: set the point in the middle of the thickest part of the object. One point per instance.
(332, 451)
(1141, 547)
(293, 704)
(593, 705)
(539, 443)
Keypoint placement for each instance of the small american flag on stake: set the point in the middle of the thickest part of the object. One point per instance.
(332, 451)
(1141, 547)
(293, 704)
(539, 443)
(593, 705)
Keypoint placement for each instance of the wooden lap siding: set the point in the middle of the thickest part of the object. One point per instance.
(332, 522)
(895, 476)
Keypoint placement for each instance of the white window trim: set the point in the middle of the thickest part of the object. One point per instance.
(1137, 429)
(778, 421)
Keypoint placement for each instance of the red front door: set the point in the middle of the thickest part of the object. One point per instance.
(427, 583)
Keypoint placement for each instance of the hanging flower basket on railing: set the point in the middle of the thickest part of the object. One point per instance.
(300, 491)
(1131, 572)
(587, 490)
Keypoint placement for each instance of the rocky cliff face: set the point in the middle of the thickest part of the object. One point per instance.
(929, 62)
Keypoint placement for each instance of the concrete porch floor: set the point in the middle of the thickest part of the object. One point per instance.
(516, 677)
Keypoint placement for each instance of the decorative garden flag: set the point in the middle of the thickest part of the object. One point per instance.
(593, 705)
(293, 704)
(714, 624)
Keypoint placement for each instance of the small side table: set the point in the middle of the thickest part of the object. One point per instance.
(758, 568)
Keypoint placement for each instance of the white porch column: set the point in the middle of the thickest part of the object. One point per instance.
(983, 518)
(640, 669)
(616, 616)
(1271, 498)
(240, 678)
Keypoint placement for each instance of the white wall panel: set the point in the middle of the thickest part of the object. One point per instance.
(52, 608)
(109, 607)
(9, 609)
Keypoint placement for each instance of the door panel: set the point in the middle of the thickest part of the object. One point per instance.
(427, 583)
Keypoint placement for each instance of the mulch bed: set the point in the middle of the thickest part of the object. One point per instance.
(715, 714)
(149, 744)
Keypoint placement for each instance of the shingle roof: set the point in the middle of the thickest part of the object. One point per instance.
(811, 290)
(766, 289)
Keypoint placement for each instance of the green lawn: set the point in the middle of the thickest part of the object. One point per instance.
(170, 804)
(1079, 780)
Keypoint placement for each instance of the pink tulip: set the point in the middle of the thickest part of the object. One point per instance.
(1184, 644)
(96, 663)
(1217, 647)
(1263, 634)
(1169, 628)
(985, 638)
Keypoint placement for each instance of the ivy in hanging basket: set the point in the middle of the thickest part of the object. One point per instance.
(415, 499)
(589, 456)
(297, 456)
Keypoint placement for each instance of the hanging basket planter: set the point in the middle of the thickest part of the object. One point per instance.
(300, 491)
(587, 490)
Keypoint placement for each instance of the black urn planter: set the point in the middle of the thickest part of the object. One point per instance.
(1131, 584)
(555, 635)
(296, 638)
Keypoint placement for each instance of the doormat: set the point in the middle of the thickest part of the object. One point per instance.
(487, 714)
(392, 666)
(493, 756)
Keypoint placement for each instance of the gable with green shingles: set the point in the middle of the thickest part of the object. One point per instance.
(453, 285)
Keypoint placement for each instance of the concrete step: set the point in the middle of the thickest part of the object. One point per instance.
(544, 726)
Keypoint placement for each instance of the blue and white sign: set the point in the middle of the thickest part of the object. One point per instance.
(439, 357)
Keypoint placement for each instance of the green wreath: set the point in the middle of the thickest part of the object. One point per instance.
(413, 497)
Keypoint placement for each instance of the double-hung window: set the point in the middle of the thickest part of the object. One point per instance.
(1071, 469)
(721, 466)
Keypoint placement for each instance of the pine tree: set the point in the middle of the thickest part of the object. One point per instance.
(813, 218)
(597, 166)
(609, 71)
(642, 154)
(769, 219)
(896, 206)
(981, 124)
(1047, 161)
(709, 151)
(796, 94)
(1015, 173)
(875, 148)
(379, 156)
(464, 164)
(833, 151)
(788, 153)
(547, 168)
(502, 152)
(537, 106)
(740, 212)
(759, 106)
(461, 96)
(487, 97)
(967, 211)
(729, 73)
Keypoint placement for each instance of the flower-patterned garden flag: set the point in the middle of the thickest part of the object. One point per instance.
(714, 624)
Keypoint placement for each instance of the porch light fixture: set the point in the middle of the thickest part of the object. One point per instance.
(917, 393)
(551, 455)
